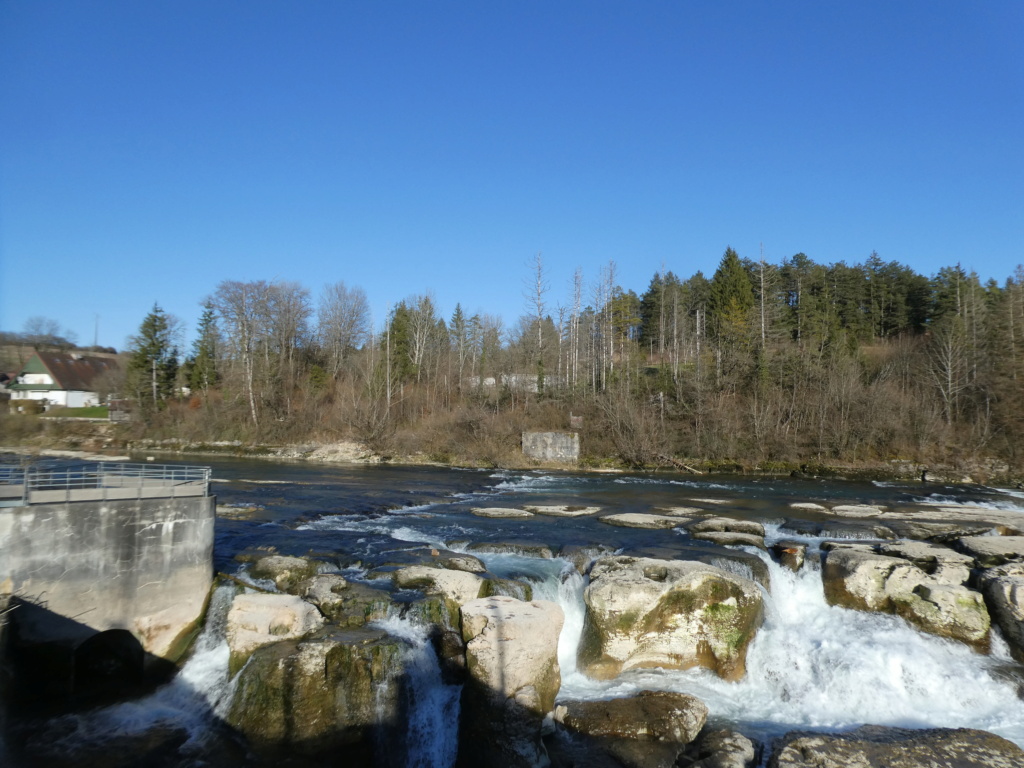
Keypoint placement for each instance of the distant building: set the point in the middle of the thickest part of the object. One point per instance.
(522, 382)
(58, 378)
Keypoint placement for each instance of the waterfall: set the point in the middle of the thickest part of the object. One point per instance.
(816, 666)
(432, 706)
(192, 700)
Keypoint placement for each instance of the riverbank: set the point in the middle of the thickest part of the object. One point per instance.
(103, 442)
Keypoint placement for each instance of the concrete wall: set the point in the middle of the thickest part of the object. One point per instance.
(552, 446)
(144, 565)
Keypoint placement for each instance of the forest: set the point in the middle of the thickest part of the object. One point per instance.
(761, 364)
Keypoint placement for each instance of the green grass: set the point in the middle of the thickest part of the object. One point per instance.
(91, 412)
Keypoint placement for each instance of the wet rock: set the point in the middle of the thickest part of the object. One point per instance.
(941, 533)
(990, 551)
(808, 506)
(667, 613)
(582, 555)
(458, 586)
(500, 512)
(257, 620)
(337, 690)
(285, 571)
(325, 591)
(494, 587)
(726, 524)
(721, 749)
(790, 554)
(435, 558)
(941, 563)
(730, 539)
(512, 660)
(646, 716)
(525, 548)
(856, 510)
(736, 561)
(564, 510)
(858, 577)
(874, 745)
(1003, 587)
(679, 511)
(639, 520)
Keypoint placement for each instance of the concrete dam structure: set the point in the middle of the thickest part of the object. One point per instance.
(105, 565)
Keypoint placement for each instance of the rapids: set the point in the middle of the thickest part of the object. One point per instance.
(811, 666)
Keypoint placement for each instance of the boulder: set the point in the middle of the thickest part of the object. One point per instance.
(679, 511)
(873, 745)
(941, 533)
(726, 524)
(458, 586)
(941, 563)
(645, 716)
(644, 612)
(808, 506)
(340, 689)
(737, 561)
(858, 577)
(524, 548)
(512, 661)
(640, 520)
(500, 512)
(564, 510)
(721, 749)
(1003, 588)
(346, 603)
(990, 551)
(257, 620)
(790, 554)
(730, 539)
(285, 571)
(855, 510)
(582, 555)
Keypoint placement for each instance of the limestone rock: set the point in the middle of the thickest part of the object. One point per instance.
(333, 691)
(525, 548)
(257, 620)
(856, 510)
(640, 520)
(790, 554)
(721, 749)
(808, 506)
(582, 555)
(990, 551)
(500, 512)
(726, 524)
(1003, 588)
(679, 511)
(644, 612)
(564, 510)
(858, 577)
(646, 716)
(285, 571)
(941, 563)
(458, 586)
(325, 591)
(730, 539)
(512, 660)
(735, 561)
(873, 745)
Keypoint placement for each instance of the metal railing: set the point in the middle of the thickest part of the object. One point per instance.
(102, 481)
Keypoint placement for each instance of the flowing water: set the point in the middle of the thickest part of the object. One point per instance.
(811, 666)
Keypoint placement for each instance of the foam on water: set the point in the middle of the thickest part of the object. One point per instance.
(683, 483)
(431, 739)
(815, 666)
(197, 696)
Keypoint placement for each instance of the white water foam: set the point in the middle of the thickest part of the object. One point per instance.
(199, 693)
(432, 738)
(815, 666)
(684, 483)
(940, 500)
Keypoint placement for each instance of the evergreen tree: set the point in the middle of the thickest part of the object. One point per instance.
(731, 296)
(202, 363)
(153, 360)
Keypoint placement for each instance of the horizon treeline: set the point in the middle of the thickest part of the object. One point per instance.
(789, 362)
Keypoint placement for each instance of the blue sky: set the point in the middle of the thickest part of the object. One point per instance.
(150, 150)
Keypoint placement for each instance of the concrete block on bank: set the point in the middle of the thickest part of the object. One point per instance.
(552, 446)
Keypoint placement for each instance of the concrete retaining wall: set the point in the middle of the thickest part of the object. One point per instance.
(144, 565)
(552, 446)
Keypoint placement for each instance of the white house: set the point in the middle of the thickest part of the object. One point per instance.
(59, 378)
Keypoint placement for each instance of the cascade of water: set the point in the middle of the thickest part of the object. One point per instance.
(192, 700)
(433, 707)
(813, 665)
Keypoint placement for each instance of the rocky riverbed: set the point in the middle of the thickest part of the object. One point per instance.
(577, 620)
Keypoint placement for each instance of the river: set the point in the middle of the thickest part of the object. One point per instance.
(812, 666)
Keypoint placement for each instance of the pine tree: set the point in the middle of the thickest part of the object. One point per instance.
(202, 364)
(153, 361)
